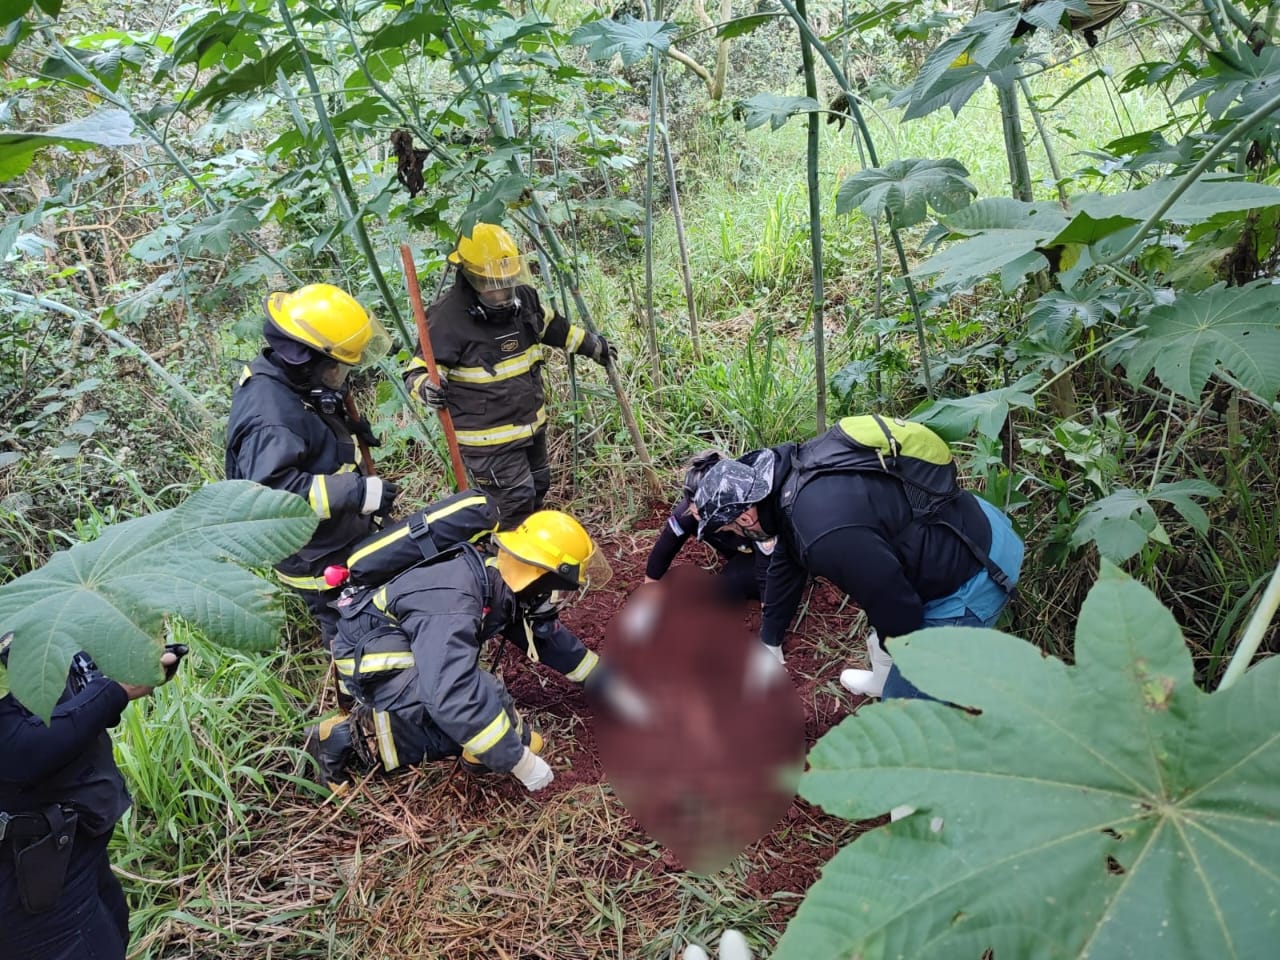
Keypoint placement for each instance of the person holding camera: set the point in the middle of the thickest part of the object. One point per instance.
(488, 334)
(289, 429)
(61, 794)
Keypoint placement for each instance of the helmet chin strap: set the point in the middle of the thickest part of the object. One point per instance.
(482, 311)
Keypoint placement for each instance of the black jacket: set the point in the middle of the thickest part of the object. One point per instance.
(680, 526)
(275, 437)
(413, 646)
(494, 366)
(68, 762)
(861, 538)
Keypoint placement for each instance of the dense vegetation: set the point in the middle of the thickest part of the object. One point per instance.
(1069, 271)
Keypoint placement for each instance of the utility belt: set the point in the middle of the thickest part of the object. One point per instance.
(40, 845)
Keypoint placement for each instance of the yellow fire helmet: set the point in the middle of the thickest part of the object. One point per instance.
(331, 321)
(490, 259)
(551, 542)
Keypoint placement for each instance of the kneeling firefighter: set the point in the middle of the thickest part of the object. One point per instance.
(408, 651)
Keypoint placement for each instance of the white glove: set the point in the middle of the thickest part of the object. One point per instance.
(775, 652)
(532, 771)
(733, 946)
(869, 683)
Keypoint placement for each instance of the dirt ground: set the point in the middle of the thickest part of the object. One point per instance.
(435, 862)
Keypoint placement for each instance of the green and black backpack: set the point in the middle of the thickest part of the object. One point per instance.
(910, 452)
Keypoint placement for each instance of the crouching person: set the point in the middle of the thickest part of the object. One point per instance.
(408, 651)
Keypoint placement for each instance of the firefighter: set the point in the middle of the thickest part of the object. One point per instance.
(61, 794)
(873, 505)
(289, 429)
(408, 652)
(489, 334)
(745, 562)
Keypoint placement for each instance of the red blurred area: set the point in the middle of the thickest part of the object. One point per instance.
(708, 762)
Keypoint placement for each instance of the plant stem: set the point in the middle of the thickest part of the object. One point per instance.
(347, 198)
(116, 337)
(651, 325)
(851, 101)
(1075, 363)
(685, 272)
(1254, 632)
(815, 226)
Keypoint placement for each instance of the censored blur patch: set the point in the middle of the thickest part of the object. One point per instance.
(708, 745)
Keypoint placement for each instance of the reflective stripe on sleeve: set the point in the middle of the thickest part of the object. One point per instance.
(488, 738)
(318, 497)
(574, 340)
(302, 583)
(386, 742)
(376, 663)
(584, 667)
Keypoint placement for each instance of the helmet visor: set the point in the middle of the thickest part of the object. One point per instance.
(501, 274)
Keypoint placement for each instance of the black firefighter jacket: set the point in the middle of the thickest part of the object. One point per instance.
(410, 650)
(494, 366)
(275, 437)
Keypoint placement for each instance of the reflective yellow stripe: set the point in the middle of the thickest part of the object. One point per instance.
(503, 434)
(380, 601)
(318, 497)
(516, 366)
(547, 317)
(574, 340)
(477, 501)
(487, 738)
(386, 742)
(245, 374)
(376, 663)
(302, 583)
(584, 667)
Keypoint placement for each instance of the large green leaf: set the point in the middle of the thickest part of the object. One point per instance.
(110, 597)
(1008, 230)
(106, 128)
(905, 189)
(1233, 328)
(773, 109)
(1105, 810)
(629, 38)
(1121, 524)
(986, 413)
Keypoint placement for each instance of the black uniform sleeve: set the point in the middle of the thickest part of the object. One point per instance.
(461, 698)
(678, 528)
(556, 330)
(31, 751)
(276, 457)
(563, 651)
(781, 597)
(864, 565)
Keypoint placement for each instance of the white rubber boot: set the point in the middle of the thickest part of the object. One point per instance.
(869, 683)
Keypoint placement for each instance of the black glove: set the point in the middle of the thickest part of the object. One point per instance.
(601, 352)
(364, 432)
(433, 395)
(179, 650)
(379, 495)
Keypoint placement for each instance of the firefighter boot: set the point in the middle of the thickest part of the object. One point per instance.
(329, 744)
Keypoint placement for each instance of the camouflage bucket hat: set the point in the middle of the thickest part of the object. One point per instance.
(730, 487)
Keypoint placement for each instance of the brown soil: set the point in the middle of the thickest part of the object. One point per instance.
(437, 863)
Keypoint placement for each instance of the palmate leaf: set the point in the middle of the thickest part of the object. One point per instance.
(1007, 230)
(1233, 328)
(954, 420)
(906, 189)
(629, 38)
(1121, 524)
(110, 597)
(1109, 809)
(773, 109)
